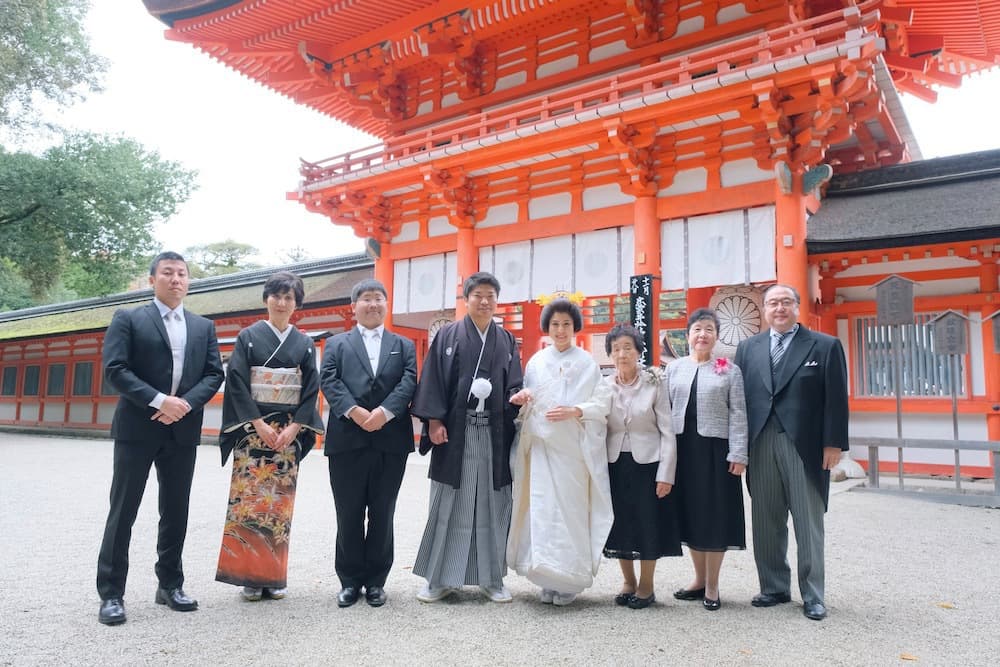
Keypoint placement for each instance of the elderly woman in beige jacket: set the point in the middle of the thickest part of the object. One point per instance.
(708, 413)
(642, 457)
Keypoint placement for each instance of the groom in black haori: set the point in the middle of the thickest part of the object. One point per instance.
(472, 369)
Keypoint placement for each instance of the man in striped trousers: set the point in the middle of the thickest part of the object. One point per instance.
(796, 393)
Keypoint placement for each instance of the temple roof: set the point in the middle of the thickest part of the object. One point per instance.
(953, 198)
(327, 282)
(310, 50)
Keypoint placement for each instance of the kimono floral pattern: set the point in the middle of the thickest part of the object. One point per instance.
(259, 517)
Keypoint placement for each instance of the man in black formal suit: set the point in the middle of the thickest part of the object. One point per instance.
(368, 377)
(164, 362)
(796, 393)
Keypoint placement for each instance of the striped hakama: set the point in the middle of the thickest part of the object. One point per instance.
(465, 541)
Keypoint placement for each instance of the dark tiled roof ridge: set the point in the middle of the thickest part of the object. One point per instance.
(198, 286)
(967, 166)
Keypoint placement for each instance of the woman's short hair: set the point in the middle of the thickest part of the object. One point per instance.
(704, 314)
(367, 285)
(282, 282)
(477, 279)
(562, 306)
(620, 330)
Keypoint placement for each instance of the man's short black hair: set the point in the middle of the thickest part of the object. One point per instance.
(168, 255)
(367, 285)
(477, 279)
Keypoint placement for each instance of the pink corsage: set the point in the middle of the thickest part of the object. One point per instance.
(722, 366)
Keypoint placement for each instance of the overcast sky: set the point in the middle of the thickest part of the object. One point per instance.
(245, 140)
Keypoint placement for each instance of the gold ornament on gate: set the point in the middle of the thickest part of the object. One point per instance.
(574, 297)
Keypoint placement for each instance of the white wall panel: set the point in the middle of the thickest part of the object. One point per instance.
(427, 276)
(715, 249)
(400, 286)
(439, 225)
(552, 266)
(597, 260)
(550, 205)
(512, 267)
(672, 255)
(761, 232)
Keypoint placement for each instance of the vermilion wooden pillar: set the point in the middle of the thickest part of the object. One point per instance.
(988, 273)
(790, 242)
(468, 263)
(647, 259)
(698, 297)
(384, 274)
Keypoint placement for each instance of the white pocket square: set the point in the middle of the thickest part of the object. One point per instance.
(811, 363)
(394, 352)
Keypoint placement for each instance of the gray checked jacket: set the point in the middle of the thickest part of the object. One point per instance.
(722, 410)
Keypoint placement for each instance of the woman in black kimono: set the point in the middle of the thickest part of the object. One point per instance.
(269, 422)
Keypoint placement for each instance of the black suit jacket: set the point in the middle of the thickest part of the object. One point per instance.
(138, 364)
(809, 395)
(346, 380)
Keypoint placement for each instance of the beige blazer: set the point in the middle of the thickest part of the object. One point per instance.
(646, 426)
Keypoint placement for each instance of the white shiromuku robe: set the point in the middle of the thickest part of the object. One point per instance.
(562, 496)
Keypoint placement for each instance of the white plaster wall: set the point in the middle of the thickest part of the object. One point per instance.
(926, 264)
(105, 413)
(55, 411)
(604, 196)
(564, 64)
(80, 412)
(739, 172)
(503, 214)
(439, 226)
(550, 205)
(401, 286)
(511, 80)
(608, 51)
(408, 231)
(8, 410)
(687, 181)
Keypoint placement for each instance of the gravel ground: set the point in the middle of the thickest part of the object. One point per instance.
(907, 581)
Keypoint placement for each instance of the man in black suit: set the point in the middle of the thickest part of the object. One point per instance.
(164, 362)
(368, 377)
(796, 393)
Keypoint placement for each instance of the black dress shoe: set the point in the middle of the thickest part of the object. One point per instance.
(375, 596)
(641, 603)
(770, 599)
(711, 605)
(814, 611)
(622, 599)
(112, 612)
(689, 593)
(347, 596)
(176, 599)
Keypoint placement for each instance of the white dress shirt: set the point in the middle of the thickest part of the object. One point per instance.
(173, 321)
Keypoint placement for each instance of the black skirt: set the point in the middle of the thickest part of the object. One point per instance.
(645, 527)
(709, 498)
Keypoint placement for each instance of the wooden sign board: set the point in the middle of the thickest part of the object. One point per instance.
(894, 301)
(949, 333)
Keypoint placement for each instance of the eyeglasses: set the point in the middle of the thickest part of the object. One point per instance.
(774, 303)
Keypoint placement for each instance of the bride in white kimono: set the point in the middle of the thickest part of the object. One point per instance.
(562, 497)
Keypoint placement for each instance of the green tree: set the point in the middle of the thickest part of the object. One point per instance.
(44, 55)
(15, 292)
(90, 204)
(216, 259)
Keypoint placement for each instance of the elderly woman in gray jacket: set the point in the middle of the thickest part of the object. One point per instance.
(708, 413)
(642, 455)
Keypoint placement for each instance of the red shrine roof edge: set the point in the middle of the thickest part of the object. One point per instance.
(929, 42)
